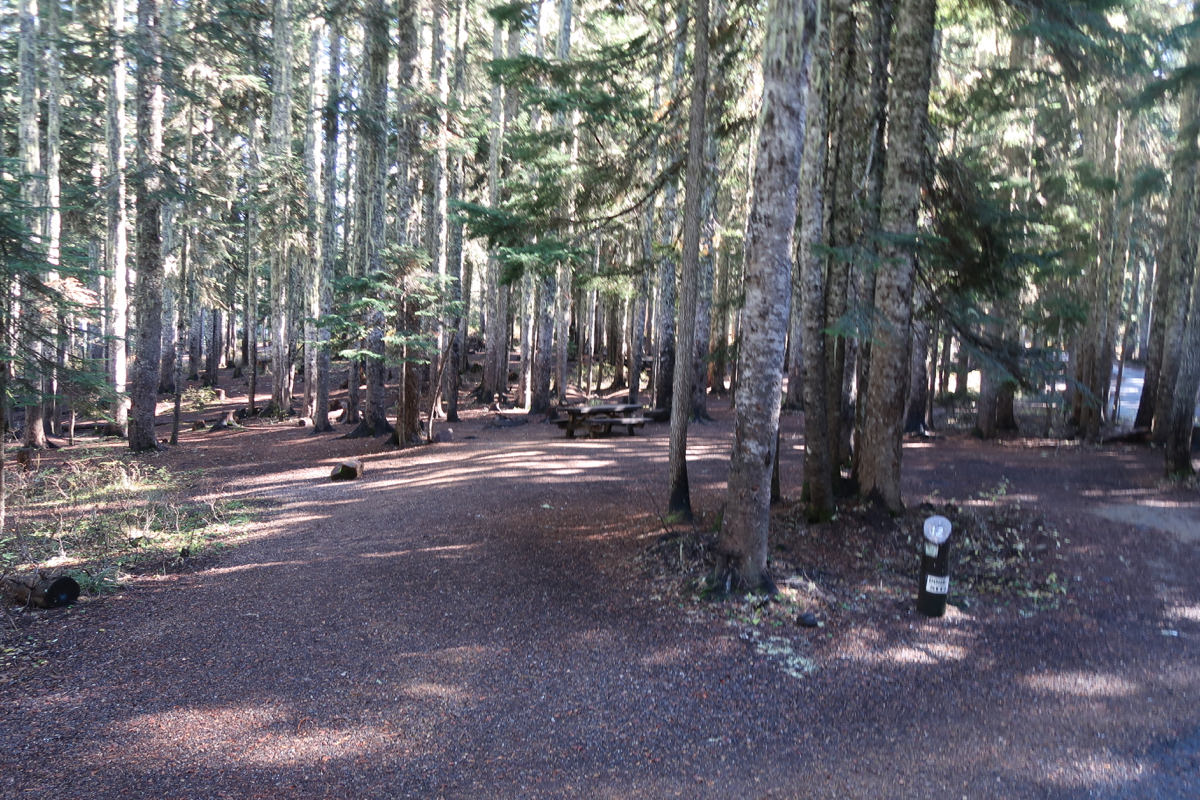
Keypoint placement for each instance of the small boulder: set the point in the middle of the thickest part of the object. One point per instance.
(443, 436)
(304, 422)
(349, 470)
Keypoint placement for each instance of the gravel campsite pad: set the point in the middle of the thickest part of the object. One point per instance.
(507, 615)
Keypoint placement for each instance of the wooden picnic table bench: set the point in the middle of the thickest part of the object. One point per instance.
(599, 420)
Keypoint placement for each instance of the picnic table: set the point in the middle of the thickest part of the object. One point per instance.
(599, 420)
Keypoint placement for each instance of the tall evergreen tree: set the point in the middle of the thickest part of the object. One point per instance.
(148, 188)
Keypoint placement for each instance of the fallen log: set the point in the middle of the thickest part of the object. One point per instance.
(40, 591)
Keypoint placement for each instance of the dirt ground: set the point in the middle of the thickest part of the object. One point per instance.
(504, 615)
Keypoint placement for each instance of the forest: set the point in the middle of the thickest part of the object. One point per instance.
(845, 263)
(873, 201)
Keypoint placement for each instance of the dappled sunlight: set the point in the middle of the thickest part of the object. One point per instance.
(240, 735)
(932, 653)
(450, 548)
(1184, 613)
(253, 566)
(1078, 683)
(925, 646)
(1086, 771)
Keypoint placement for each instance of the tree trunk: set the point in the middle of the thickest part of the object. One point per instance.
(282, 252)
(708, 233)
(680, 502)
(742, 544)
(495, 371)
(117, 252)
(879, 462)
(1177, 258)
(333, 92)
(562, 300)
(918, 379)
(459, 281)
(664, 362)
(32, 316)
(1179, 405)
(1182, 419)
(373, 160)
(251, 265)
(53, 210)
(148, 193)
(811, 341)
(312, 211)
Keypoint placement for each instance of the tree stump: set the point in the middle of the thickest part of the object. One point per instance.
(40, 591)
(227, 420)
(349, 470)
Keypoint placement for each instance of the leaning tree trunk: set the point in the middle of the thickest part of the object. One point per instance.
(742, 544)
(148, 193)
(880, 450)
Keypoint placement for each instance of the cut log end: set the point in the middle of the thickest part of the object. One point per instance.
(349, 470)
(40, 591)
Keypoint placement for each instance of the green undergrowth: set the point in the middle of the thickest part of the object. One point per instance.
(100, 516)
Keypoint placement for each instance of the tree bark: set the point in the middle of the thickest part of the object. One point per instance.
(117, 252)
(879, 464)
(328, 211)
(680, 502)
(742, 544)
(373, 149)
(811, 341)
(664, 362)
(148, 193)
(495, 370)
(280, 147)
(32, 317)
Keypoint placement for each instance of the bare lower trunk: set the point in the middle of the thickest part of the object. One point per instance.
(680, 502)
(149, 237)
(810, 340)
(742, 544)
(879, 462)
